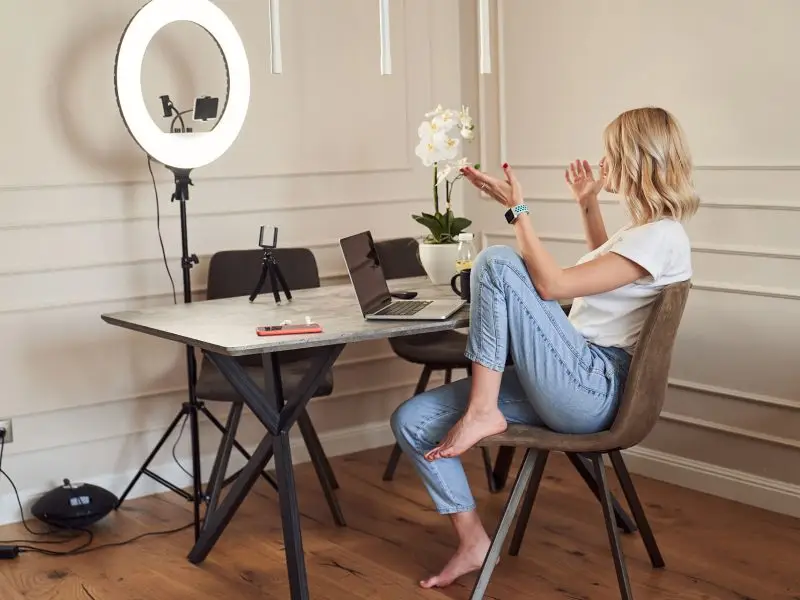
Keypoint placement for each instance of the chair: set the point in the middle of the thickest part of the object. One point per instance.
(234, 273)
(639, 410)
(440, 351)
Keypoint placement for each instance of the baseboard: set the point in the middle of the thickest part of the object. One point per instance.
(341, 441)
(769, 494)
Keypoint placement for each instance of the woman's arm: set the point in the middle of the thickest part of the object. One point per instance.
(593, 225)
(602, 274)
(585, 188)
(605, 273)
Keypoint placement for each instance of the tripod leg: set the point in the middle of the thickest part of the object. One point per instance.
(150, 458)
(261, 279)
(282, 279)
(276, 291)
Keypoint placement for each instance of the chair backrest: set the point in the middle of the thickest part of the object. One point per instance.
(400, 258)
(233, 273)
(646, 386)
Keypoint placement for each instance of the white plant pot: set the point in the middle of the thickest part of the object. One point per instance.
(439, 261)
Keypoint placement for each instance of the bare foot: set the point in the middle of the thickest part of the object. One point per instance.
(465, 560)
(468, 431)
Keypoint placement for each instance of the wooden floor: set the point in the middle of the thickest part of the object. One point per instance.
(713, 548)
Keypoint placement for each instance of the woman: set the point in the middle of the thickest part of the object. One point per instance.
(569, 372)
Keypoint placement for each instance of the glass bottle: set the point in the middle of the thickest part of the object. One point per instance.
(466, 252)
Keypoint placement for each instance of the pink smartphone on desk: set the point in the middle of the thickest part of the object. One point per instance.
(288, 329)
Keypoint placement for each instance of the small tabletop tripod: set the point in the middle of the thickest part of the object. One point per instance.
(270, 266)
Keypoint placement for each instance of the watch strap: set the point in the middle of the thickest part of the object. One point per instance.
(513, 213)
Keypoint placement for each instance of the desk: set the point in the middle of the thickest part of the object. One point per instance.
(224, 329)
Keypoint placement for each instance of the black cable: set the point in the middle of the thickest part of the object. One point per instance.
(158, 227)
(85, 550)
(175, 447)
(178, 117)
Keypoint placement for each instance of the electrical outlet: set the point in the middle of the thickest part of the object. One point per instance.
(6, 424)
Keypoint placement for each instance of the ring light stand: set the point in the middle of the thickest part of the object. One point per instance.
(181, 152)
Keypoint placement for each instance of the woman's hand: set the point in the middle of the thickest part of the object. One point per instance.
(581, 181)
(508, 193)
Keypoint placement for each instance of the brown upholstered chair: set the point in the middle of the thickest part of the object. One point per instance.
(639, 410)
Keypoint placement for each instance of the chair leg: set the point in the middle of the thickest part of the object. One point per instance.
(394, 458)
(448, 376)
(502, 466)
(613, 532)
(514, 498)
(636, 508)
(488, 468)
(397, 452)
(624, 521)
(527, 504)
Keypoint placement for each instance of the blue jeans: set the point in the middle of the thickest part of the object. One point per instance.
(559, 380)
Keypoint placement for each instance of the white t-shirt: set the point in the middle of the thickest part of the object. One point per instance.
(615, 318)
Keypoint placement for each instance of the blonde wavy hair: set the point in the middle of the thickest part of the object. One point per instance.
(648, 162)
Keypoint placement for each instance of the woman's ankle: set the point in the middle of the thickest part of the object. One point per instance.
(483, 410)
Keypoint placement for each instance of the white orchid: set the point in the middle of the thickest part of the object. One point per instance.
(445, 121)
(451, 170)
(436, 111)
(439, 146)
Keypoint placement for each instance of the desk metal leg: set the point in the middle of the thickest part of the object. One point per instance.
(218, 520)
(315, 448)
(278, 417)
(321, 466)
(217, 477)
(290, 518)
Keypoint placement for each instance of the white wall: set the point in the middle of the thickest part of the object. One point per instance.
(731, 425)
(327, 149)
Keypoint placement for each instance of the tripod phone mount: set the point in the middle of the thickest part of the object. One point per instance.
(271, 268)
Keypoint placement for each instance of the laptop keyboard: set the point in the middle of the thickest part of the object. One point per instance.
(406, 307)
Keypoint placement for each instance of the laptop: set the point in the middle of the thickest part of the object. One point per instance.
(369, 282)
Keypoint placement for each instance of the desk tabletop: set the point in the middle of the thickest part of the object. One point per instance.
(228, 326)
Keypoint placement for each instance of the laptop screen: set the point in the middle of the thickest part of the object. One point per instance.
(365, 271)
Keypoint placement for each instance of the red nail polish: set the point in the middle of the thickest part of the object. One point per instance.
(505, 165)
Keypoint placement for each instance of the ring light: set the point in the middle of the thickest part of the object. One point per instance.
(179, 150)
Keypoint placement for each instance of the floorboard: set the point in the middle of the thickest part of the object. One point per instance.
(714, 548)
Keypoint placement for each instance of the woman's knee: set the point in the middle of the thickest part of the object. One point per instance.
(494, 255)
(410, 417)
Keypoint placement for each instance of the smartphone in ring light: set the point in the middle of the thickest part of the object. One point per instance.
(270, 330)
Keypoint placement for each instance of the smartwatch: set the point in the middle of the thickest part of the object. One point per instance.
(513, 213)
